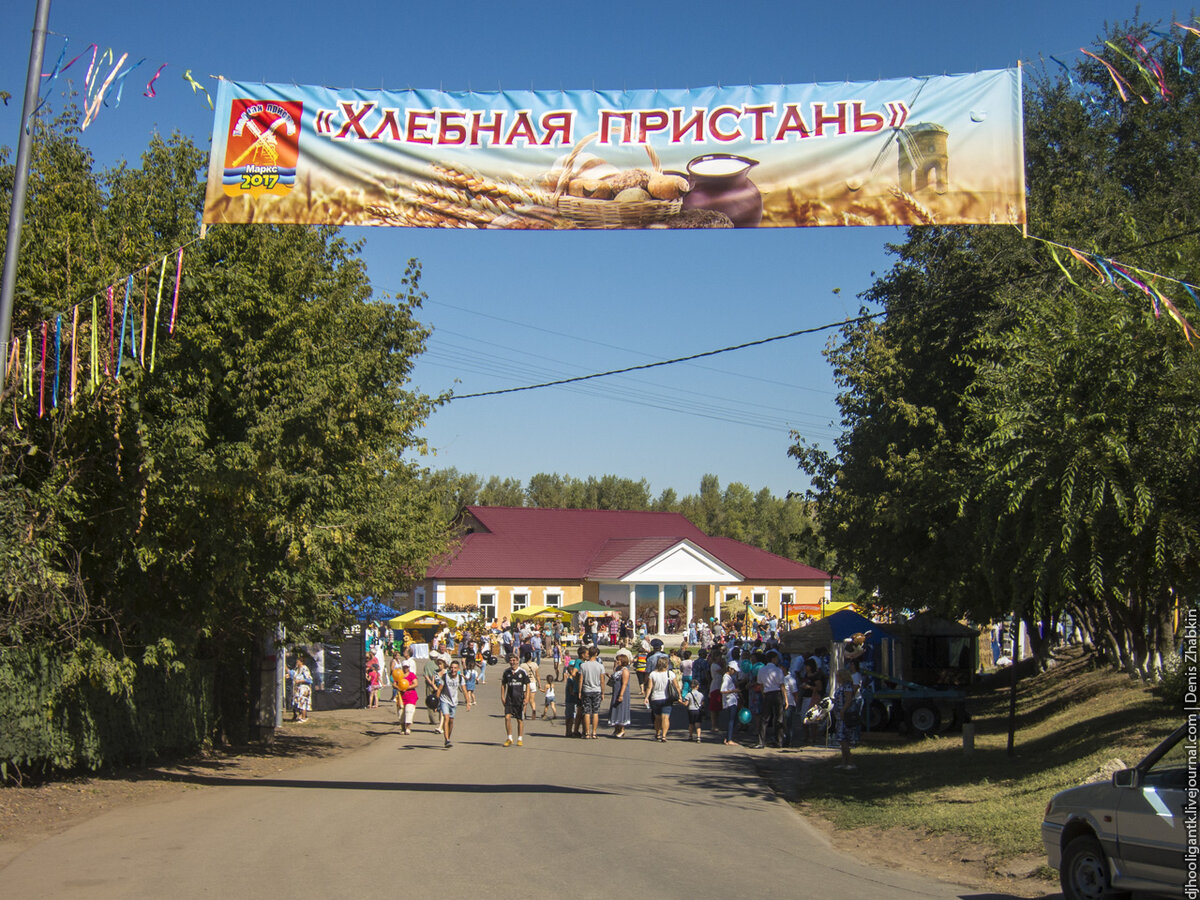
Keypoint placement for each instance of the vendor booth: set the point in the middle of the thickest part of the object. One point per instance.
(420, 625)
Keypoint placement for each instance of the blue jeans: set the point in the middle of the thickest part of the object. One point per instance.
(730, 714)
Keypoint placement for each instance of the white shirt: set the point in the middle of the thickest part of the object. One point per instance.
(792, 687)
(728, 683)
(658, 685)
(770, 677)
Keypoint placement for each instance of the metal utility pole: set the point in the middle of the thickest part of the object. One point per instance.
(16, 213)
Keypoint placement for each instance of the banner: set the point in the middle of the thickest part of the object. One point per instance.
(939, 150)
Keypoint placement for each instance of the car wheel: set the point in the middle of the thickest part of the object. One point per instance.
(1083, 873)
(924, 719)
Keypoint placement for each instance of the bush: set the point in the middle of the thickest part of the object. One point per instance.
(1177, 675)
(55, 723)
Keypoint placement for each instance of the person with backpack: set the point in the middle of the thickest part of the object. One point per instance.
(449, 683)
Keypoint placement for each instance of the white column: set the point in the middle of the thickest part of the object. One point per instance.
(662, 608)
(690, 594)
(633, 607)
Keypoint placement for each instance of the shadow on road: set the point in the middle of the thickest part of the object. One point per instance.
(403, 786)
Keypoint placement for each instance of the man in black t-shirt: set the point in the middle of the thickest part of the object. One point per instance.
(513, 686)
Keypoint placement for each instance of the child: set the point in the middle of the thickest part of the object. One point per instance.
(556, 655)
(572, 712)
(469, 681)
(695, 701)
(548, 707)
(373, 686)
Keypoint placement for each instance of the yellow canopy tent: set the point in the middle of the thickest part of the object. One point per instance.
(542, 612)
(830, 608)
(420, 618)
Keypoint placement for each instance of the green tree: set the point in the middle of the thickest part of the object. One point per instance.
(502, 492)
(257, 476)
(1016, 441)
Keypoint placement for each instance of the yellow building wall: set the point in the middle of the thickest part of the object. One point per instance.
(802, 592)
(706, 598)
(466, 594)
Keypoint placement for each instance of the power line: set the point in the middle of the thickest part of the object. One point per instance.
(671, 362)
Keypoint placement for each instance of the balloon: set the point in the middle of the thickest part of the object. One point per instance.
(744, 716)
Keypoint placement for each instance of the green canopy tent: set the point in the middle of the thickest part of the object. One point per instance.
(588, 606)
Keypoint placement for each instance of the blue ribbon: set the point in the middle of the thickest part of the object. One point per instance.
(57, 359)
(124, 310)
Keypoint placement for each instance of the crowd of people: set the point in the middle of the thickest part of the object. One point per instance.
(734, 683)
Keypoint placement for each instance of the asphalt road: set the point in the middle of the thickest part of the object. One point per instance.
(557, 817)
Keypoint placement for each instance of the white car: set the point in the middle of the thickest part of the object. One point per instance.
(1128, 834)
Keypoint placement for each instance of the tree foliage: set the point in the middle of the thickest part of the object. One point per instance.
(1017, 436)
(257, 476)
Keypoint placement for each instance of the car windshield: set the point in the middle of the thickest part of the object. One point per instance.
(1170, 771)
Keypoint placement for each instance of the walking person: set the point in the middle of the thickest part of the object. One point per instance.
(373, 685)
(661, 691)
(429, 672)
(591, 691)
(549, 709)
(695, 701)
(470, 679)
(513, 686)
(618, 711)
(406, 695)
(301, 690)
(535, 685)
(449, 684)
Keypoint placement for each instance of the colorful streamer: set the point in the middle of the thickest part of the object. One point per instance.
(162, 274)
(42, 380)
(142, 338)
(197, 86)
(149, 92)
(74, 350)
(1118, 275)
(29, 363)
(124, 312)
(175, 301)
(95, 372)
(111, 334)
(94, 108)
(57, 360)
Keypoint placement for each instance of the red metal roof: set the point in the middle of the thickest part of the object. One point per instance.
(533, 544)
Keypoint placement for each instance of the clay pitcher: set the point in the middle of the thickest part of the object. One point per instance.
(721, 182)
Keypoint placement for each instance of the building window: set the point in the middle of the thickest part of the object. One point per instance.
(759, 599)
(519, 601)
(732, 596)
(553, 599)
(419, 598)
(487, 606)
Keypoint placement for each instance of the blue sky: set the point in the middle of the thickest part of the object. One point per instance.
(510, 309)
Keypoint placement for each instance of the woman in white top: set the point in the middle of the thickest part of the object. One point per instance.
(658, 699)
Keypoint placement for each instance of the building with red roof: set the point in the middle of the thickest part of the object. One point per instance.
(653, 566)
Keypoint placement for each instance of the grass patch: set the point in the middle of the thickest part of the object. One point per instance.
(1070, 720)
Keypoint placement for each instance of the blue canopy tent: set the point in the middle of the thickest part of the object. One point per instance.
(368, 609)
(840, 627)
